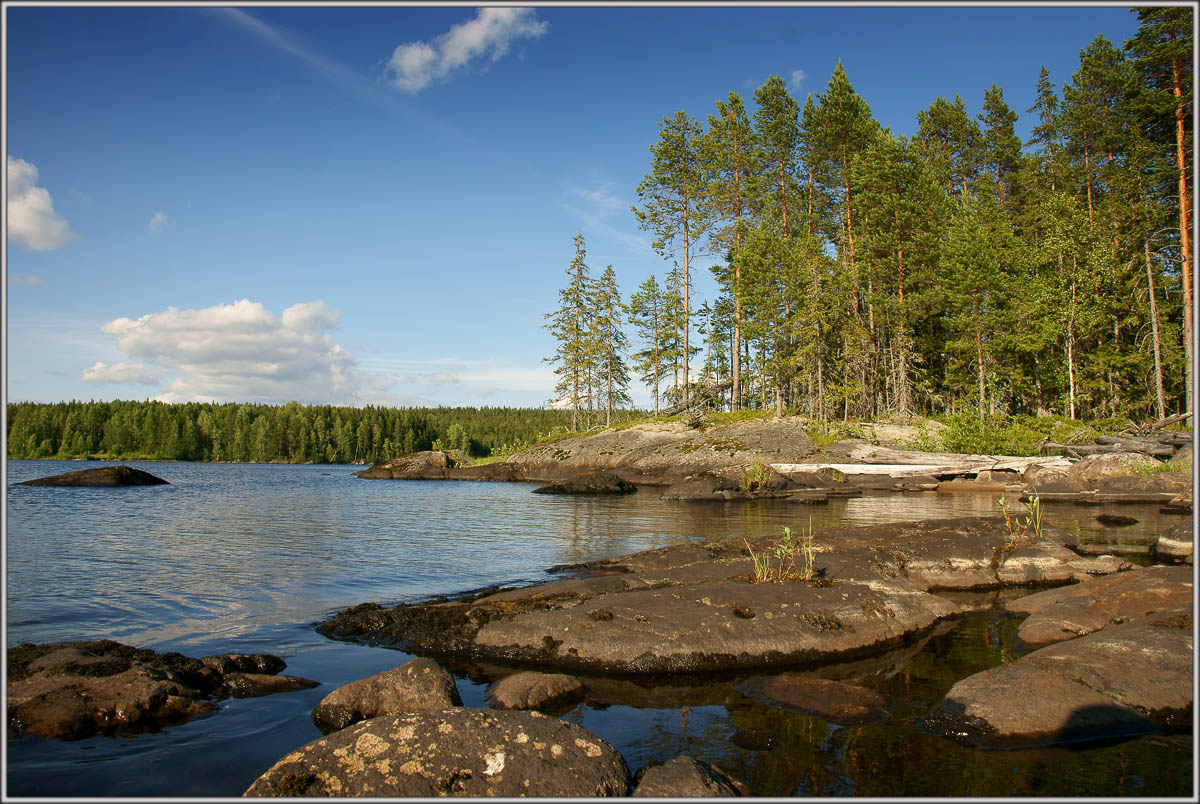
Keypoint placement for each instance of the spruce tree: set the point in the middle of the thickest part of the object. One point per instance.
(569, 324)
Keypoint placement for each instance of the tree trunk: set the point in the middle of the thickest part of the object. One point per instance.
(1158, 377)
(1071, 348)
(687, 307)
(1185, 233)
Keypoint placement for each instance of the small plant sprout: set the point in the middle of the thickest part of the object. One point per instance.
(1018, 529)
(784, 551)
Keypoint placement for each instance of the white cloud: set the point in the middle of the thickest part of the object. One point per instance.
(596, 207)
(158, 221)
(242, 352)
(22, 279)
(798, 77)
(32, 221)
(490, 34)
(479, 378)
(121, 372)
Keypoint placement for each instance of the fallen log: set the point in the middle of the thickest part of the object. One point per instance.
(1154, 450)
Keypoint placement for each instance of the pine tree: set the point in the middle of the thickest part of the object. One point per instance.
(1001, 145)
(647, 313)
(574, 356)
(611, 344)
(675, 205)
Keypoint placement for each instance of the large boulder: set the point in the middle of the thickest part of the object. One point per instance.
(459, 752)
(1120, 682)
(102, 476)
(589, 483)
(73, 690)
(530, 690)
(1183, 458)
(1176, 544)
(685, 777)
(1069, 612)
(416, 686)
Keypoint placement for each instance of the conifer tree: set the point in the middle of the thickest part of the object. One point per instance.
(610, 343)
(1001, 145)
(675, 205)
(569, 324)
(647, 312)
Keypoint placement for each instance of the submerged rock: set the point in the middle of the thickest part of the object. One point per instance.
(1120, 682)
(459, 752)
(530, 690)
(73, 690)
(102, 476)
(837, 702)
(416, 686)
(428, 465)
(1176, 544)
(589, 483)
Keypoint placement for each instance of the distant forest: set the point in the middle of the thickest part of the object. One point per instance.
(290, 433)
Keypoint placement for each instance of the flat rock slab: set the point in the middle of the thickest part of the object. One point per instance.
(692, 607)
(102, 476)
(459, 752)
(835, 701)
(1069, 612)
(416, 686)
(685, 777)
(73, 690)
(530, 690)
(1123, 681)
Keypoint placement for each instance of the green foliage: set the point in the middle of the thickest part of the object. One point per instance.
(754, 476)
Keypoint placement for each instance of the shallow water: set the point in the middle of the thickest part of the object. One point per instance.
(236, 557)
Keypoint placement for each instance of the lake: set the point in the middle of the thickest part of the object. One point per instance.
(247, 557)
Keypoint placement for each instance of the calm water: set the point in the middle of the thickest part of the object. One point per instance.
(247, 557)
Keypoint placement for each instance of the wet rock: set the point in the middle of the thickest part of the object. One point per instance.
(1069, 612)
(73, 690)
(227, 663)
(1057, 481)
(428, 465)
(1154, 486)
(459, 752)
(684, 777)
(1120, 682)
(837, 702)
(102, 476)
(530, 690)
(1175, 545)
(1115, 520)
(416, 686)
(589, 483)
(255, 685)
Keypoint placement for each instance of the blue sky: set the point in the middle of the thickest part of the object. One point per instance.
(376, 205)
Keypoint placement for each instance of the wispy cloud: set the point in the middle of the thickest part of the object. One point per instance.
(487, 38)
(158, 221)
(479, 378)
(598, 208)
(32, 221)
(339, 74)
(23, 279)
(798, 77)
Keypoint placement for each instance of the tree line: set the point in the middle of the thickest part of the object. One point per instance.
(291, 433)
(862, 272)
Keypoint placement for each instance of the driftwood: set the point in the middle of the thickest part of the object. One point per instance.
(1152, 449)
(903, 463)
(1154, 427)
